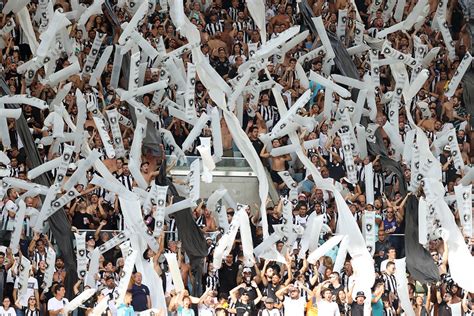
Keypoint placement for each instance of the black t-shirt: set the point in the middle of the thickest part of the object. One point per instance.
(139, 297)
(272, 221)
(222, 67)
(336, 290)
(228, 277)
(258, 145)
(356, 309)
(270, 291)
(242, 308)
(336, 170)
(40, 277)
(444, 310)
(82, 220)
(112, 222)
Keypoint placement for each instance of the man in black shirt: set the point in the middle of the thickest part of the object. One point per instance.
(228, 276)
(256, 142)
(443, 308)
(221, 63)
(81, 219)
(357, 306)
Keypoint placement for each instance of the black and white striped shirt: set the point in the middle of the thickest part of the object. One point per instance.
(101, 192)
(390, 283)
(233, 13)
(172, 230)
(212, 282)
(244, 26)
(37, 257)
(201, 221)
(15, 172)
(30, 312)
(339, 151)
(127, 181)
(269, 114)
(213, 28)
(379, 183)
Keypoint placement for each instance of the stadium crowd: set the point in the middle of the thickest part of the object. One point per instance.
(295, 287)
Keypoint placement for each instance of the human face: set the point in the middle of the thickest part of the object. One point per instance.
(294, 293)
(381, 235)
(62, 291)
(447, 297)
(327, 295)
(138, 278)
(390, 212)
(360, 300)
(110, 283)
(303, 210)
(145, 168)
(6, 303)
(342, 296)
(32, 301)
(419, 300)
(392, 253)
(59, 263)
(275, 279)
(40, 245)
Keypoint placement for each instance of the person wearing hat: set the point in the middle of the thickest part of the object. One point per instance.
(357, 305)
(447, 163)
(245, 305)
(269, 308)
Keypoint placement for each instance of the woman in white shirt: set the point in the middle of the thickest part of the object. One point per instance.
(237, 50)
(6, 309)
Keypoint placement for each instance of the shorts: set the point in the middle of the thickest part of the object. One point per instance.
(276, 177)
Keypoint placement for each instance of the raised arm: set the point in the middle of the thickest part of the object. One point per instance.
(444, 261)
(281, 292)
(428, 299)
(262, 273)
(264, 153)
(290, 273)
(259, 294)
(317, 290)
(349, 295)
(378, 293)
(204, 296)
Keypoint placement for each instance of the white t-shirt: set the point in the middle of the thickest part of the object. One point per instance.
(106, 292)
(54, 304)
(301, 220)
(8, 223)
(204, 310)
(327, 308)
(273, 312)
(9, 312)
(30, 291)
(294, 307)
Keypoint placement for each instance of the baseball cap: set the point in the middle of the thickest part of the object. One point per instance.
(247, 270)
(360, 294)
(269, 300)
